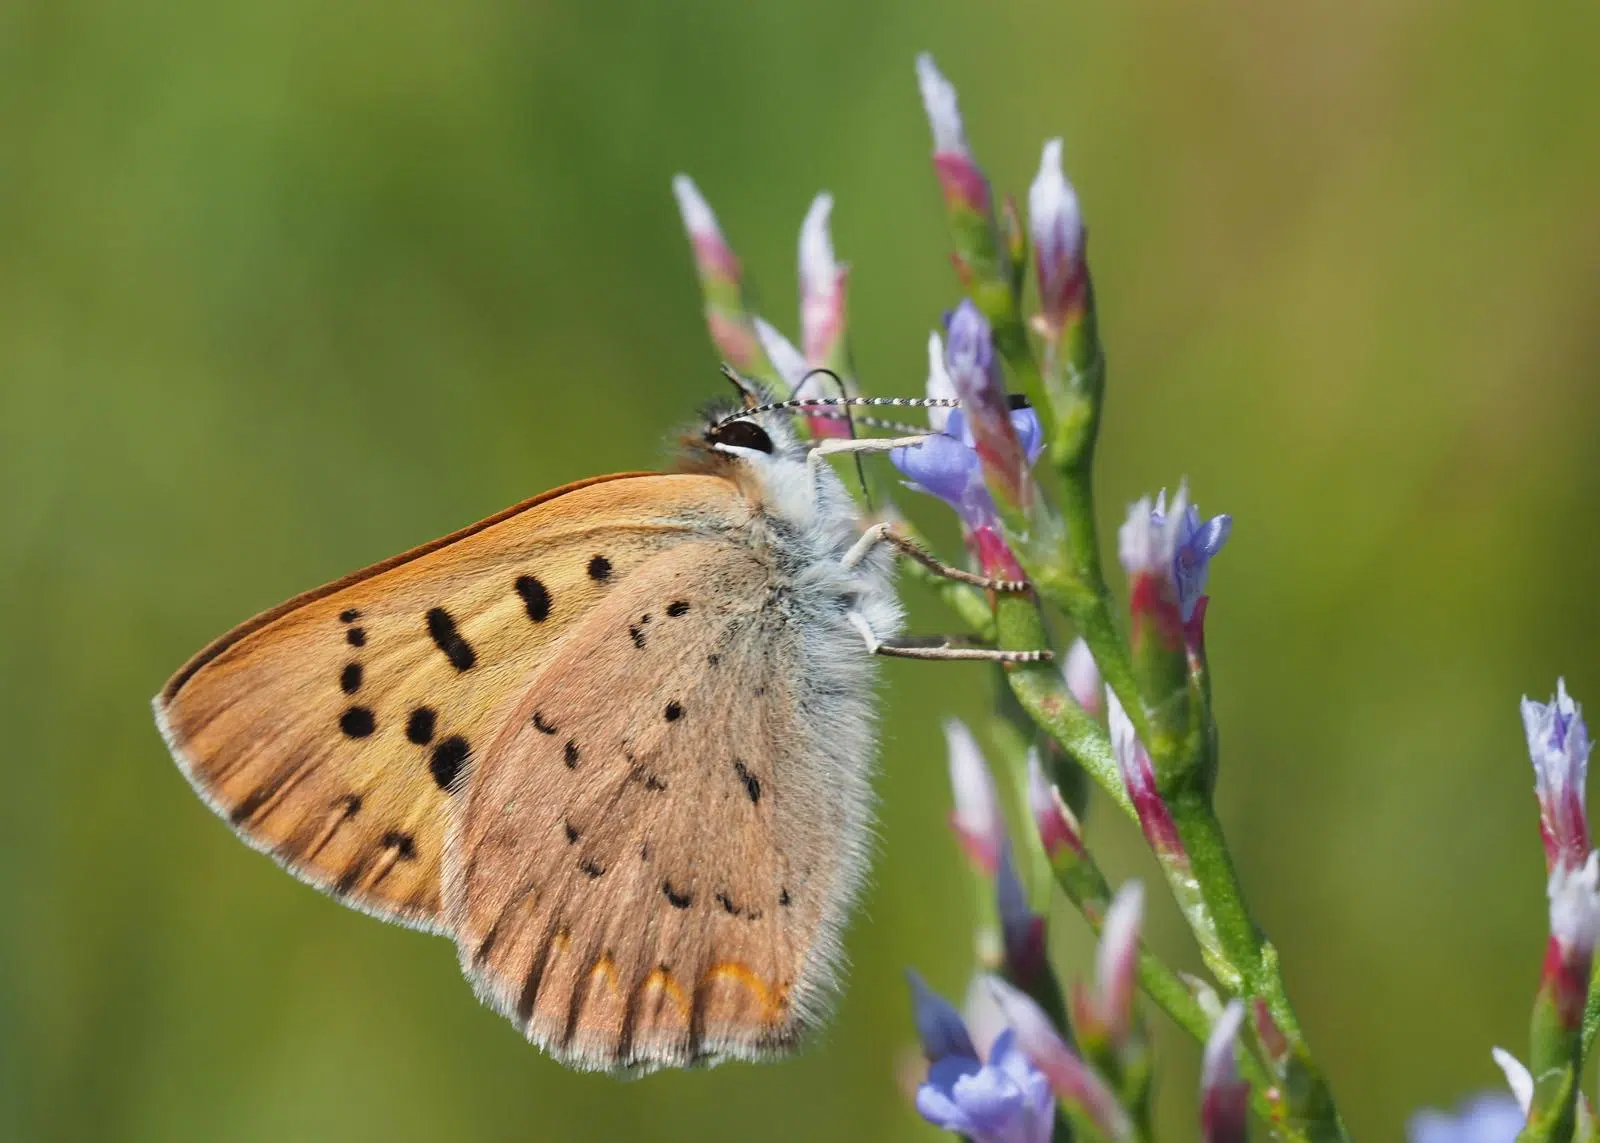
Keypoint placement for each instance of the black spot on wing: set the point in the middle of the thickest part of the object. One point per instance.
(571, 831)
(783, 897)
(541, 725)
(442, 630)
(356, 637)
(447, 760)
(350, 678)
(591, 868)
(357, 722)
(535, 597)
(678, 608)
(419, 727)
(673, 712)
(569, 754)
(674, 898)
(636, 633)
(349, 615)
(599, 569)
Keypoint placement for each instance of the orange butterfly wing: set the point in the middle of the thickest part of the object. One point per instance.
(334, 731)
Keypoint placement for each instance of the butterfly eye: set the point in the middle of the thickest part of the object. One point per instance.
(741, 434)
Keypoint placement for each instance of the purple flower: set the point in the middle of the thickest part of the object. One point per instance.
(975, 372)
(1559, 743)
(1167, 554)
(1003, 1099)
(1489, 1118)
(939, 1025)
(946, 465)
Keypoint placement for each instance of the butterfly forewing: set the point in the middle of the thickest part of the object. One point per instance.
(335, 730)
(648, 868)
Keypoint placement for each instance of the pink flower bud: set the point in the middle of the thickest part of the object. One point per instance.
(964, 185)
(1139, 777)
(1224, 1114)
(976, 818)
(1083, 678)
(1058, 826)
(1574, 929)
(822, 286)
(718, 266)
(1117, 962)
(1056, 227)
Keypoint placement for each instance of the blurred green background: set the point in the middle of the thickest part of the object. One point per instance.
(287, 287)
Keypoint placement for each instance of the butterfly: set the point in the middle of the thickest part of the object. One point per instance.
(615, 741)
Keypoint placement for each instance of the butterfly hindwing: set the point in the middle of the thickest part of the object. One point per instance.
(652, 862)
(334, 731)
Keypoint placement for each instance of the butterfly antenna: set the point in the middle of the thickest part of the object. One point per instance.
(850, 425)
(807, 404)
(900, 428)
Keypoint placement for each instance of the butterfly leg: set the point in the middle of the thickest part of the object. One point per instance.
(939, 648)
(889, 533)
(833, 446)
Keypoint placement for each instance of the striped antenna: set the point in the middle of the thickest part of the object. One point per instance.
(802, 404)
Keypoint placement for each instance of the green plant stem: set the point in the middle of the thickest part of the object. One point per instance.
(1591, 1017)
